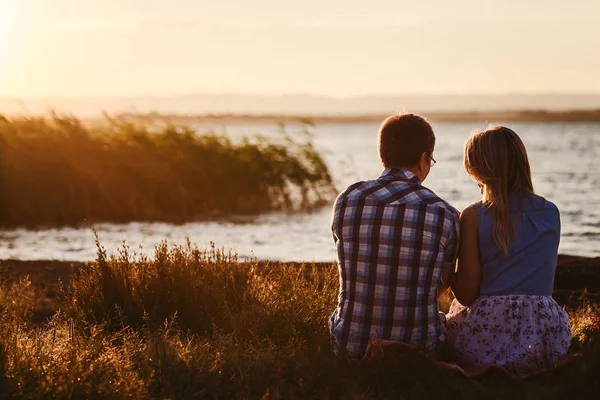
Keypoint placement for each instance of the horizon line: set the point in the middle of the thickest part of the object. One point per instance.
(298, 94)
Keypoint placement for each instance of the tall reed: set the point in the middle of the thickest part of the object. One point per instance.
(55, 171)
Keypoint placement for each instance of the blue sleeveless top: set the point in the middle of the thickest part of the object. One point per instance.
(532, 251)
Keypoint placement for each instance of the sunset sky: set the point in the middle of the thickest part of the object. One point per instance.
(339, 48)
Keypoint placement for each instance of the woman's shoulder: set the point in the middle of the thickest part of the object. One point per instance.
(541, 203)
(471, 212)
(476, 207)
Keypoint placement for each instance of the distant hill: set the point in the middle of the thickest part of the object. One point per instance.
(302, 104)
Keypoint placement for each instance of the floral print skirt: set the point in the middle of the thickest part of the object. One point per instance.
(523, 333)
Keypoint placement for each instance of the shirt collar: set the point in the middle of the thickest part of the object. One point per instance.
(400, 174)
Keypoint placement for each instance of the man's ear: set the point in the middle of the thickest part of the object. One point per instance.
(422, 166)
(423, 160)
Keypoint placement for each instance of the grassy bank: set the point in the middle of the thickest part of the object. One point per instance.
(57, 171)
(191, 323)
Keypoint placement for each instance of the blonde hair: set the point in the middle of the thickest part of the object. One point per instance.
(497, 158)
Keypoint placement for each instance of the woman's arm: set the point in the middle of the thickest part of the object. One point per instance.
(465, 285)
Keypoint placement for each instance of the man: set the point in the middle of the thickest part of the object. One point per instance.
(396, 245)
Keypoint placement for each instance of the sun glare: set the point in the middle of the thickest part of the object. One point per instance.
(7, 37)
(6, 24)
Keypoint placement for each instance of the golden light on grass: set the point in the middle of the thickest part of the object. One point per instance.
(200, 323)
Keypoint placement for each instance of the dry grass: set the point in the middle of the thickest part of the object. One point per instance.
(57, 171)
(193, 323)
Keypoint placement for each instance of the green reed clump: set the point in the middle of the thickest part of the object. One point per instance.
(56, 171)
(191, 323)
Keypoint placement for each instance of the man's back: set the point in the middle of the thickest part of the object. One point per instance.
(394, 238)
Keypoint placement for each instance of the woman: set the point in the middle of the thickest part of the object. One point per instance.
(504, 313)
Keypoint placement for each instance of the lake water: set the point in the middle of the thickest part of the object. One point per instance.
(564, 157)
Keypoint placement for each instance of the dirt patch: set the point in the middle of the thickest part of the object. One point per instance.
(577, 280)
(43, 274)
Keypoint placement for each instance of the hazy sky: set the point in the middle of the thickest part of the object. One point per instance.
(331, 47)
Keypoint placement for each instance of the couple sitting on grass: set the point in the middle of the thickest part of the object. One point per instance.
(400, 247)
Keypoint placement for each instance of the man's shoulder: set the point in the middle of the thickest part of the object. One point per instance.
(398, 192)
(431, 199)
(358, 189)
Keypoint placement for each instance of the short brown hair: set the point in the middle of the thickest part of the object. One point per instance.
(402, 140)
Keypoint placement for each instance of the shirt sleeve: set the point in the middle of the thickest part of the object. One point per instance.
(335, 216)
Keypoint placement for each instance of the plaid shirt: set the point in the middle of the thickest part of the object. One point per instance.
(394, 238)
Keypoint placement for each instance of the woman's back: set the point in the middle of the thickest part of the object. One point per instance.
(504, 312)
(530, 264)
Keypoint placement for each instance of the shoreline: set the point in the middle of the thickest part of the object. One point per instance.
(571, 116)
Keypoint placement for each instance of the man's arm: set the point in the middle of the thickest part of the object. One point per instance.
(335, 219)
